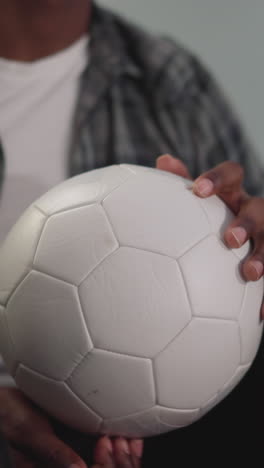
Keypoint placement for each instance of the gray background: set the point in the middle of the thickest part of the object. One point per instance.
(228, 35)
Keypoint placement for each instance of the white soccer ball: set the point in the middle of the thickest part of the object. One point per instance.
(122, 311)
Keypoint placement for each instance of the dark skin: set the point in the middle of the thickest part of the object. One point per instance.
(33, 29)
(226, 181)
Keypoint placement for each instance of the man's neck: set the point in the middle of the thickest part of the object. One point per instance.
(33, 29)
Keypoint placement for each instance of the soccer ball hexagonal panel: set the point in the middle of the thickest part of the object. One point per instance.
(114, 385)
(151, 225)
(197, 363)
(15, 261)
(57, 398)
(79, 239)
(212, 273)
(90, 187)
(251, 326)
(135, 302)
(156, 420)
(46, 325)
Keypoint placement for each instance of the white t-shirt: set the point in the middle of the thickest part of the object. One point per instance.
(37, 106)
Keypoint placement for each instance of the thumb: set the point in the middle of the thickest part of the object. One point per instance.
(168, 163)
(29, 431)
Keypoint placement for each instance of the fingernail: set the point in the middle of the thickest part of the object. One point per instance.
(257, 267)
(124, 446)
(137, 447)
(239, 234)
(204, 187)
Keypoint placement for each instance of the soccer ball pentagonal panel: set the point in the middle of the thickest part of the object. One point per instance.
(197, 363)
(209, 269)
(151, 225)
(58, 399)
(114, 385)
(47, 326)
(251, 326)
(18, 250)
(6, 345)
(79, 239)
(135, 302)
(149, 423)
(90, 187)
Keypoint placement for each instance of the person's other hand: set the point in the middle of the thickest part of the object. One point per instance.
(30, 435)
(118, 453)
(226, 181)
(34, 444)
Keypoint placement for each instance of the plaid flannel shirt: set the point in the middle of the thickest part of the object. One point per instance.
(142, 96)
